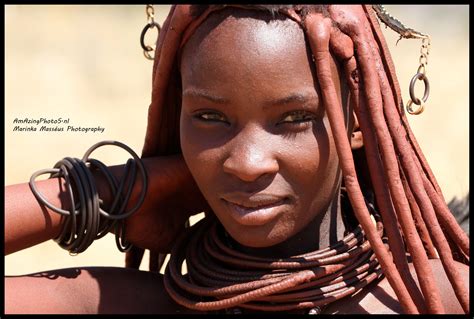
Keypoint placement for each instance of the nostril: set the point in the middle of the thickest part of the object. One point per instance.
(251, 154)
(250, 170)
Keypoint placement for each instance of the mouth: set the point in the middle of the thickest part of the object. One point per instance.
(255, 210)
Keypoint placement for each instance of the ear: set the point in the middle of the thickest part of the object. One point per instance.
(356, 136)
(352, 121)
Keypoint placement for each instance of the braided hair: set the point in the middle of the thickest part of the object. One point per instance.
(413, 210)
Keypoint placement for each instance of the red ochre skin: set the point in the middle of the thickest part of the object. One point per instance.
(254, 134)
(256, 139)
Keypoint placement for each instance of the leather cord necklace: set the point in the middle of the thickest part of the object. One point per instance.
(220, 277)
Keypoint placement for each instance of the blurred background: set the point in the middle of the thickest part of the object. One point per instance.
(85, 63)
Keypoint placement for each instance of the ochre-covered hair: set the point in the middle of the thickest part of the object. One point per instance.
(414, 213)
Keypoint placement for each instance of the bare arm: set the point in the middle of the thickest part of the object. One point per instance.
(28, 223)
(172, 196)
(89, 290)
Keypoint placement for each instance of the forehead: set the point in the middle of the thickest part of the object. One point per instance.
(232, 20)
(241, 44)
(245, 39)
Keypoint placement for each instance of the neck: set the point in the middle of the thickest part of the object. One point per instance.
(323, 231)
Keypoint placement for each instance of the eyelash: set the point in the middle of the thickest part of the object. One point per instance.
(202, 117)
(304, 117)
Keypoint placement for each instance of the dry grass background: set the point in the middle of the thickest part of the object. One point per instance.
(85, 63)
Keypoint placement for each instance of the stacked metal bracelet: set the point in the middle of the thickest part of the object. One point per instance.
(86, 220)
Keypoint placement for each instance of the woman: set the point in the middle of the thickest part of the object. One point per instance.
(270, 103)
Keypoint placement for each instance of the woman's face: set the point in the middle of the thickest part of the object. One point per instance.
(254, 132)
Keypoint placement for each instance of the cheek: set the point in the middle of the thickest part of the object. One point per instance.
(313, 167)
(201, 155)
(312, 158)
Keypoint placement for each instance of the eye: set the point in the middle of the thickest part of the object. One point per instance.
(297, 117)
(211, 116)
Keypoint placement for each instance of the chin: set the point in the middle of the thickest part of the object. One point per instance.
(256, 236)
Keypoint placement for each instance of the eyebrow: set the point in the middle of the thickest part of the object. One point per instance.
(193, 92)
(293, 97)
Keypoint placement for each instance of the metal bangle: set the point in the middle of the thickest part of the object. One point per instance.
(86, 220)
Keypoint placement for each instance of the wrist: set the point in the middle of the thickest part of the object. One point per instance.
(172, 197)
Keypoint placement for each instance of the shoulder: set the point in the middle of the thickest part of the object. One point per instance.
(131, 291)
(93, 290)
(379, 298)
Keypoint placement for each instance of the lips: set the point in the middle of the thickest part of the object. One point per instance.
(255, 210)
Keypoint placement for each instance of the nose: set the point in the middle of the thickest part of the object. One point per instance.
(252, 155)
